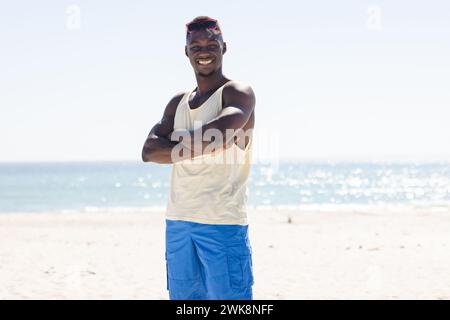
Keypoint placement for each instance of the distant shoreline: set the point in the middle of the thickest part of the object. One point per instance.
(318, 208)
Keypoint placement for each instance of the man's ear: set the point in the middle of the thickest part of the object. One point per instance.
(224, 48)
(185, 51)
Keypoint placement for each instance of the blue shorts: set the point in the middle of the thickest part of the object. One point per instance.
(206, 261)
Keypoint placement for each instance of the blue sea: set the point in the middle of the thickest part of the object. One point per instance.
(85, 187)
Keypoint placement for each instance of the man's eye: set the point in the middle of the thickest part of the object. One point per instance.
(213, 47)
(195, 48)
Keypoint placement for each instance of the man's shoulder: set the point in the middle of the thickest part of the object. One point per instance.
(237, 90)
(174, 102)
(236, 86)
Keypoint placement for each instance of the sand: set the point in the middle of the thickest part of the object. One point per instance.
(365, 253)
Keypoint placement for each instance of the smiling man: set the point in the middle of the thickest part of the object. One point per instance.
(208, 253)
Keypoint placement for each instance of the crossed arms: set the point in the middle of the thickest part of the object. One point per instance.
(238, 106)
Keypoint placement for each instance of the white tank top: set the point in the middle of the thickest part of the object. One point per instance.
(208, 189)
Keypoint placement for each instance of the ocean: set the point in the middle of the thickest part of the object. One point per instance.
(121, 186)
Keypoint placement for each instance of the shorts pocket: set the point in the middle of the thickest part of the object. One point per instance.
(240, 270)
(181, 273)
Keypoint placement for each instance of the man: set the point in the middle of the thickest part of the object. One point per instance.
(208, 253)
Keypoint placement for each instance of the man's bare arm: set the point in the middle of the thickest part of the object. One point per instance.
(239, 103)
(157, 147)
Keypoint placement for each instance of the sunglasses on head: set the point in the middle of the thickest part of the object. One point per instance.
(201, 25)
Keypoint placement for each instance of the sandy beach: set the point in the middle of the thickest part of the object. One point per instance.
(366, 253)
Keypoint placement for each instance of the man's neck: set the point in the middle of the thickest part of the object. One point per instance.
(210, 83)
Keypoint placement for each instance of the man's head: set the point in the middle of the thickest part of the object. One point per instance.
(204, 45)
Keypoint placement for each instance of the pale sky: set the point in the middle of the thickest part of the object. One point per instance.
(351, 80)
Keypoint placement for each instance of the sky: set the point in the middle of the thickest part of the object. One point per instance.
(334, 80)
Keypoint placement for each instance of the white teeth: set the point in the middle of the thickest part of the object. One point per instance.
(204, 61)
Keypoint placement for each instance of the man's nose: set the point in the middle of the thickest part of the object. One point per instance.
(204, 49)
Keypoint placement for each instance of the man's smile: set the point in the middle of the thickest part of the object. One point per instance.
(204, 61)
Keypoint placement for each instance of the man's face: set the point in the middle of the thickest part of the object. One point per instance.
(205, 49)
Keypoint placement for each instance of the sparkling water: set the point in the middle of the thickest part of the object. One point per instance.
(47, 187)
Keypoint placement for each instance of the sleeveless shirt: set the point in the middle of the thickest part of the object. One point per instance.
(210, 188)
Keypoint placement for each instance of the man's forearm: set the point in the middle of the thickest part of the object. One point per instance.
(158, 150)
(198, 142)
(161, 150)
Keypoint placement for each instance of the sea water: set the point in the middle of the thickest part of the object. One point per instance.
(121, 186)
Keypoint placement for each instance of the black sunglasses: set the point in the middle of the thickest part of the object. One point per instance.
(195, 26)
